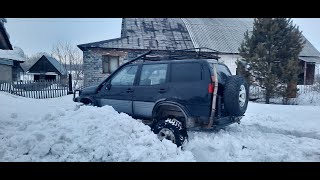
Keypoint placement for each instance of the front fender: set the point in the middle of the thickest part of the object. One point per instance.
(82, 99)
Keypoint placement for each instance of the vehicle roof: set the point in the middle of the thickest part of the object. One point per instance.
(177, 61)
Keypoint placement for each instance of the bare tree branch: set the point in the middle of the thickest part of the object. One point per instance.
(71, 58)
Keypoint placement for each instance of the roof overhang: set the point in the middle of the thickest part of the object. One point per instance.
(15, 54)
(310, 59)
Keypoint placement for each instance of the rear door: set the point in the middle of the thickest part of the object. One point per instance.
(189, 83)
(151, 86)
(120, 91)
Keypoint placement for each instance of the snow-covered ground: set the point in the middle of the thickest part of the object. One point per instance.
(57, 130)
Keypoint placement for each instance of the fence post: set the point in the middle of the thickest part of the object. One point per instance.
(70, 84)
(10, 89)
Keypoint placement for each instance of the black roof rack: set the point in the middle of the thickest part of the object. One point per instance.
(194, 53)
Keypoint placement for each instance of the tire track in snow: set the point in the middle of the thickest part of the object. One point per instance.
(255, 143)
(299, 134)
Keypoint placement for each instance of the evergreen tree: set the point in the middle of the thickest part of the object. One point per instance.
(271, 51)
(243, 71)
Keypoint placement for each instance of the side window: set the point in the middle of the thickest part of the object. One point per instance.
(125, 77)
(223, 71)
(153, 74)
(185, 72)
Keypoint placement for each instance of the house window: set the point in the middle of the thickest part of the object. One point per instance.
(110, 64)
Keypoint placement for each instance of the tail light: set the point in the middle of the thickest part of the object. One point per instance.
(211, 88)
(211, 85)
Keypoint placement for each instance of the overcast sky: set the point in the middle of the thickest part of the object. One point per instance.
(39, 34)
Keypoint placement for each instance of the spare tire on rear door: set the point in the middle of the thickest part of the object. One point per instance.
(236, 95)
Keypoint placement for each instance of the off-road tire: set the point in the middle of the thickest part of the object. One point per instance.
(231, 95)
(175, 127)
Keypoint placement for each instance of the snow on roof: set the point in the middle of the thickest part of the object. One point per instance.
(16, 54)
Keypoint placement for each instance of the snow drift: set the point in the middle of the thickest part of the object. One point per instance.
(56, 130)
(36, 130)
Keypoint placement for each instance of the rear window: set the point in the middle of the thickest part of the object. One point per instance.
(223, 69)
(185, 72)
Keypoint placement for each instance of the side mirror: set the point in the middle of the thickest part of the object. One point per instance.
(108, 86)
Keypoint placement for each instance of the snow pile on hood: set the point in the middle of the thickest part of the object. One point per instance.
(67, 133)
(15, 54)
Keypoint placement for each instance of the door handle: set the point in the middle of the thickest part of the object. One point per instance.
(162, 91)
(129, 90)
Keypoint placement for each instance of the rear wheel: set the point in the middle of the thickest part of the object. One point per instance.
(172, 130)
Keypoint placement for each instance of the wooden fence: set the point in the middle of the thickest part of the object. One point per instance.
(36, 89)
(256, 92)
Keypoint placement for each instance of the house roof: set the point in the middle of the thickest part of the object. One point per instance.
(226, 34)
(309, 49)
(148, 33)
(221, 34)
(56, 64)
(4, 36)
(28, 64)
(15, 54)
(314, 59)
(52, 60)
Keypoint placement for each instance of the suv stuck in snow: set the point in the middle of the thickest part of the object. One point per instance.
(173, 95)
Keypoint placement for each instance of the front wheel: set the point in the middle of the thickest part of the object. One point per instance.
(172, 130)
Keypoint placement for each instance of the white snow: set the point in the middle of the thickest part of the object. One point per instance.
(312, 98)
(15, 54)
(56, 130)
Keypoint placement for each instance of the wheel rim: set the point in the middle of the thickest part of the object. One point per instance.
(242, 96)
(165, 133)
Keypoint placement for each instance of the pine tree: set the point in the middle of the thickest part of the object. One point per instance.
(288, 56)
(243, 71)
(271, 51)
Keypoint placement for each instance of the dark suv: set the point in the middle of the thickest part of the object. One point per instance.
(173, 96)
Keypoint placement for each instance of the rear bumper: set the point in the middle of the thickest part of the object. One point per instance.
(225, 121)
(219, 123)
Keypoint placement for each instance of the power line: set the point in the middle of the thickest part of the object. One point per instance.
(68, 21)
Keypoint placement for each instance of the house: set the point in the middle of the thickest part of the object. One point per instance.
(45, 68)
(138, 35)
(10, 58)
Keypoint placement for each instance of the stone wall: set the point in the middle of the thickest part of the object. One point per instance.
(92, 62)
(92, 65)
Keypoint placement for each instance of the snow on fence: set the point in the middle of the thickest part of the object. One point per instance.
(256, 92)
(36, 89)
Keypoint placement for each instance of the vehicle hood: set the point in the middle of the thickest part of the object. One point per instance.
(89, 90)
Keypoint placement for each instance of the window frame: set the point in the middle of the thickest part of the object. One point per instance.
(226, 67)
(140, 74)
(134, 79)
(171, 75)
(107, 58)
